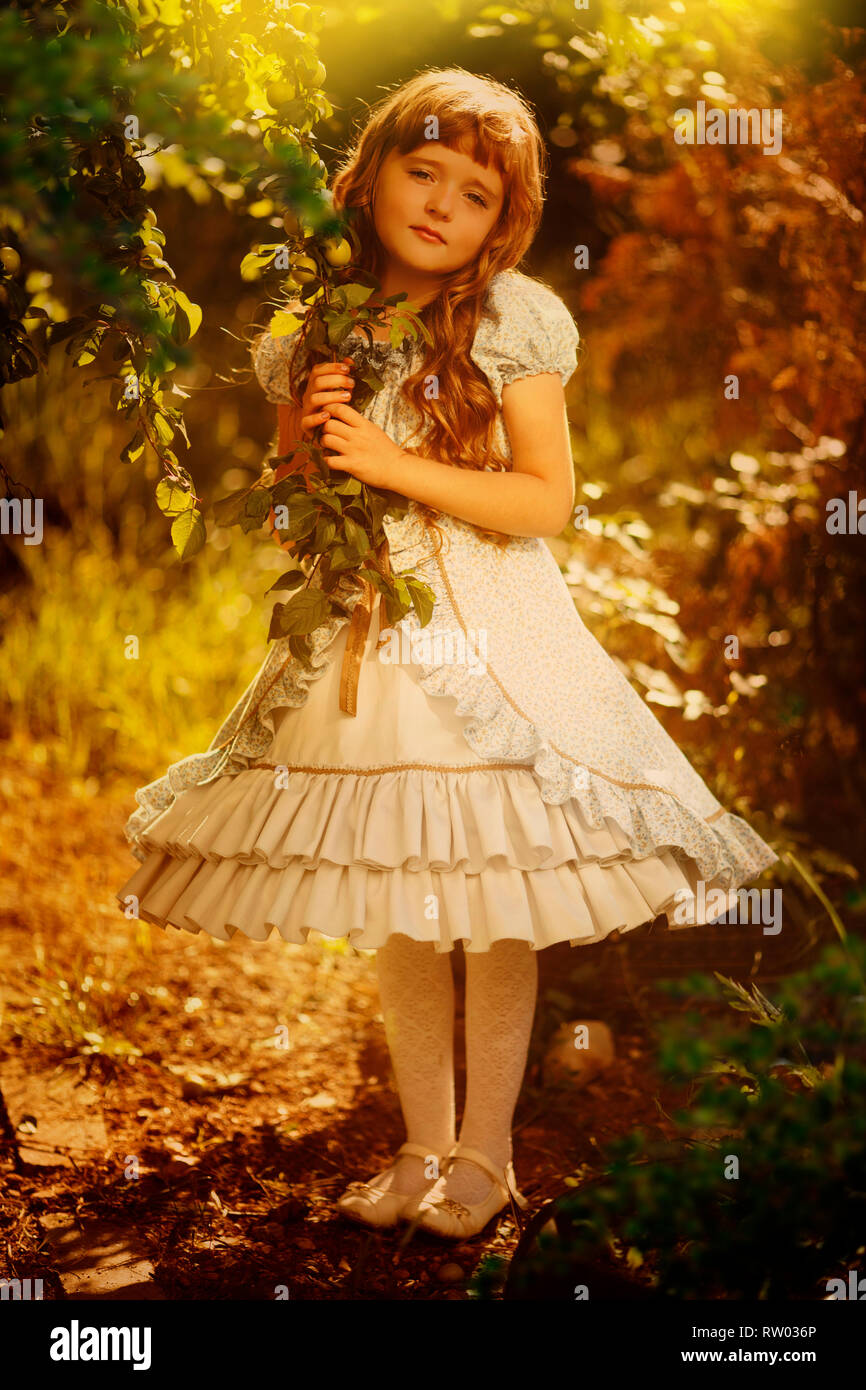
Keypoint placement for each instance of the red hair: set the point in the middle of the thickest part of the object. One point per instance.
(496, 127)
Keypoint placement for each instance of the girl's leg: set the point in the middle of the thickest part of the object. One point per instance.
(501, 991)
(416, 989)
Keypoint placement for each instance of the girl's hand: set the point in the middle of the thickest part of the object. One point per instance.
(362, 449)
(328, 384)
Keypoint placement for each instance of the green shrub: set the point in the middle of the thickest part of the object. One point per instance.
(766, 1201)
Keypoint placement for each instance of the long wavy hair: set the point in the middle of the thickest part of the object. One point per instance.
(497, 128)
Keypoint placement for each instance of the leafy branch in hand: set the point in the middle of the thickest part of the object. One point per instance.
(335, 522)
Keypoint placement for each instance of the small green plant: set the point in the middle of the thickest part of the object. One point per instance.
(81, 1007)
(761, 1193)
(335, 521)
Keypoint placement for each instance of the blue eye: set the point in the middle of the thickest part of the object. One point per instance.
(480, 203)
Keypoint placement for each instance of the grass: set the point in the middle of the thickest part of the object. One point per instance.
(115, 656)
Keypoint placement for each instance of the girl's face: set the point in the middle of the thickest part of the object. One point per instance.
(437, 187)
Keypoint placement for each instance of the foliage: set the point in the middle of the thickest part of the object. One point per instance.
(334, 523)
(232, 93)
(767, 1200)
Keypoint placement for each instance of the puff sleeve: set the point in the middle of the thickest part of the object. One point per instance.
(271, 357)
(525, 329)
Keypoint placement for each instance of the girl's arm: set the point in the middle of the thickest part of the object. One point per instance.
(537, 497)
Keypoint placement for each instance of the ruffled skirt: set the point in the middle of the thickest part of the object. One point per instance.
(388, 821)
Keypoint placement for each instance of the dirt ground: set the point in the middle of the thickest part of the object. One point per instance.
(196, 1107)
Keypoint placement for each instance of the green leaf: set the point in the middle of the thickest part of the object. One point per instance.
(401, 589)
(301, 522)
(86, 346)
(252, 265)
(292, 491)
(395, 609)
(188, 533)
(338, 326)
(351, 295)
(305, 612)
(378, 506)
(180, 326)
(376, 579)
(356, 536)
(192, 313)
(284, 324)
(135, 447)
(290, 580)
(258, 504)
(325, 533)
(423, 599)
(300, 649)
(228, 510)
(342, 559)
(171, 499)
(163, 427)
(350, 488)
(58, 332)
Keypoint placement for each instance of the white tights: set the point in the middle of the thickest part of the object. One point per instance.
(416, 988)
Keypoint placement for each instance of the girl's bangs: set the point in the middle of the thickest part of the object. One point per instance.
(456, 129)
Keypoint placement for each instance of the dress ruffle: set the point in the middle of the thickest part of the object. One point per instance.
(651, 817)
(530, 843)
(470, 856)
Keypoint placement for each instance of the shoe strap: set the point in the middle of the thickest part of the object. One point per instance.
(476, 1156)
(418, 1150)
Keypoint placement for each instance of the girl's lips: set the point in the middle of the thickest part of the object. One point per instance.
(436, 240)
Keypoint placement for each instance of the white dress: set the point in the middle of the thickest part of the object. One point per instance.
(501, 779)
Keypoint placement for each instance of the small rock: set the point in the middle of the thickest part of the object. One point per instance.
(320, 1101)
(181, 1163)
(450, 1274)
(303, 1243)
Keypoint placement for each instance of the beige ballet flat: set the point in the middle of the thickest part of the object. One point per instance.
(368, 1204)
(444, 1216)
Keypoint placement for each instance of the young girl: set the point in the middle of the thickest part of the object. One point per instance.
(491, 779)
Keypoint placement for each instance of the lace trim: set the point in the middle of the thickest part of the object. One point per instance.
(399, 767)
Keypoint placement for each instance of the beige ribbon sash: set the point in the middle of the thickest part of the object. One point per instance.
(359, 627)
